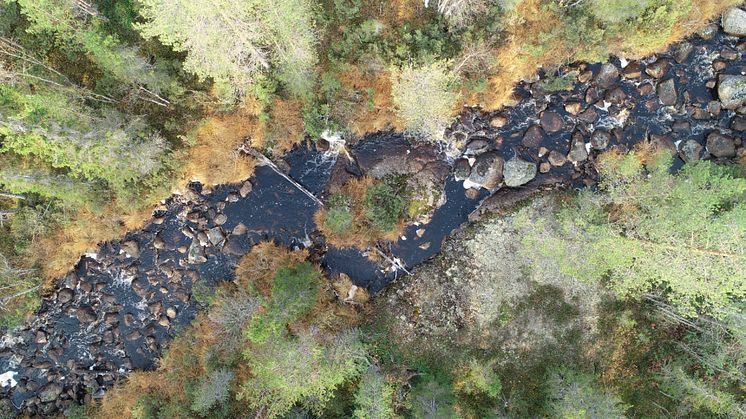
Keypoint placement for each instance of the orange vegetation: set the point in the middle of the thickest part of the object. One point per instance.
(283, 129)
(360, 234)
(258, 267)
(370, 115)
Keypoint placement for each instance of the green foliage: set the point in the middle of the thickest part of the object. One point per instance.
(289, 370)
(213, 390)
(478, 379)
(555, 83)
(649, 230)
(574, 395)
(434, 81)
(615, 11)
(432, 400)
(339, 214)
(374, 396)
(383, 206)
(238, 41)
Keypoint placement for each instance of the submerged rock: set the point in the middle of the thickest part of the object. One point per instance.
(519, 172)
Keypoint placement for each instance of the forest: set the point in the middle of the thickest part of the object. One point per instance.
(373, 209)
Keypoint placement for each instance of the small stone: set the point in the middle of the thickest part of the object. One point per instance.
(663, 142)
(551, 121)
(498, 121)
(690, 150)
(709, 31)
(420, 232)
(616, 96)
(585, 76)
(216, 237)
(461, 169)
(196, 253)
(533, 136)
(720, 145)
(171, 312)
(220, 219)
(239, 230)
(734, 21)
(543, 151)
(682, 51)
(134, 335)
(164, 321)
(667, 92)
(657, 69)
(246, 189)
(556, 158)
(713, 107)
(681, 127)
(232, 197)
(477, 146)
(607, 76)
(40, 337)
(158, 243)
(728, 54)
(131, 248)
(472, 193)
(738, 124)
(518, 172)
(588, 116)
(578, 152)
(544, 167)
(65, 295)
(50, 392)
(573, 108)
(600, 139)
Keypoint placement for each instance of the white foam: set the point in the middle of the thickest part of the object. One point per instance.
(6, 379)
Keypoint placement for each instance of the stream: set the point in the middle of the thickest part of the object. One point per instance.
(118, 309)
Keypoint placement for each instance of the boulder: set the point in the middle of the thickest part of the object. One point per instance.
(578, 151)
(573, 108)
(477, 146)
(196, 253)
(667, 92)
(551, 121)
(734, 21)
(600, 139)
(131, 248)
(720, 145)
(616, 96)
(50, 392)
(533, 136)
(246, 189)
(732, 91)
(663, 142)
(632, 70)
(709, 31)
(216, 237)
(657, 69)
(556, 158)
(461, 169)
(682, 51)
(498, 121)
(607, 76)
(519, 172)
(738, 124)
(690, 150)
(487, 171)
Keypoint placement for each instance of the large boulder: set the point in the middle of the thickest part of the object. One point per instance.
(519, 172)
(734, 21)
(667, 92)
(732, 91)
(607, 76)
(720, 145)
(578, 152)
(487, 171)
(690, 151)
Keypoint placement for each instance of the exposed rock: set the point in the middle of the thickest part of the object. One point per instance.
(556, 158)
(551, 121)
(498, 121)
(588, 116)
(600, 139)
(690, 150)
(657, 69)
(461, 169)
(216, 237)
(738, 124)
(519, 172)
(196, 253)
(709, 31)
(573, 108)
(585, 76)
(616, 96)
(720, 145)
(477, 146)
(533, 136)
(632, 70)
(682, 51)
(50, 393)
(544, 167)
(220, 219)
(246, 189)
(734, 21)
(487, 171)
(131, 248)
(171, 312)
(667, 92)
(578, 152)
(663, 142)
(65, 295)
(607, 76)
(732, 91)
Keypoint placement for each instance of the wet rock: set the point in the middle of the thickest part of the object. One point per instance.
(487, 171)
(131, 248)
(709, 31)
(632, 71)
(533, 136)
(588, 116)
(472, 193)
(556, 158)
(720, 145)
(40, 337)
(158, 243)
(732, 91)
(714, 107)
(65, 295)
(461, 169)
(600, 139)
(246, 189)
(578, 152)
(657, 69)
(663, 142)
(134, 335)
(607, 76)
(728, 54)
(690, 150)
(216, 237)
(719, 65)
(220, 219)
(667, 92)
(681, 127)
(171, 312)
(477, 146)
(85, 314)
(518, 172)
(50, 393)
(593, 94)
(544, 167)
(738, 124)
(682, 51)
(573, 108)
(734, 21)
(616, 96)
(551, 121)
(585, 76)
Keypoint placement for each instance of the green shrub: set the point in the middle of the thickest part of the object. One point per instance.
(616, 11)
(339, 214)
(374, 396)
(573, 394)
(477, 379)
(213, 390)
(430, 399)
(383, 207)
